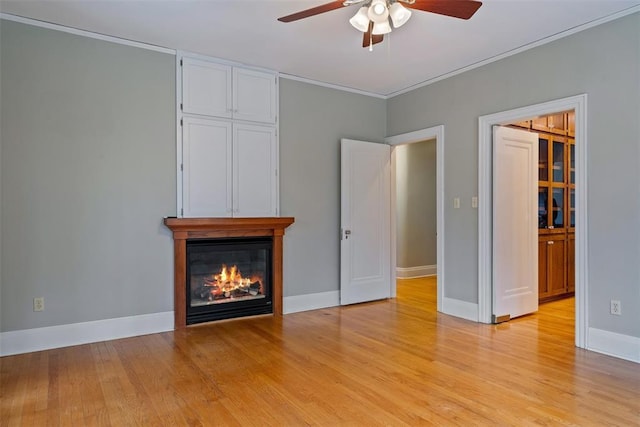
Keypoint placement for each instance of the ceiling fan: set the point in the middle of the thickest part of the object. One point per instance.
(373, 16)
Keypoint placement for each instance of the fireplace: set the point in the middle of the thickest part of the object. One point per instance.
(207, 239)
(228, 278)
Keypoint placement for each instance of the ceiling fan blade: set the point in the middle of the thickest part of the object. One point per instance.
(371, 39)
(463, 9)
(313, 11)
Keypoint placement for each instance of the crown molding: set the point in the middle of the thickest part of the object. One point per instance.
(520, 49)
(331, 86)
(90, 34)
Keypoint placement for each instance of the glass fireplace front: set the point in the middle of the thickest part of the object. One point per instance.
(228, 278)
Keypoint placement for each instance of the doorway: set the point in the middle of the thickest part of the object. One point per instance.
(415, 166)
(555, 222)
(485, 214)
(437, 133)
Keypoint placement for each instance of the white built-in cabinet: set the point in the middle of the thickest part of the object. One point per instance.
(228, 147)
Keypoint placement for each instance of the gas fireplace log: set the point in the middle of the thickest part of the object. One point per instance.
(206, 291)
(254, 288)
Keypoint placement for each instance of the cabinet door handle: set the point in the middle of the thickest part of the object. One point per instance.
(550, 242)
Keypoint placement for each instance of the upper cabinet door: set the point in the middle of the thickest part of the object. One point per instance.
(206, 88)
(553, 123)
(254, 95)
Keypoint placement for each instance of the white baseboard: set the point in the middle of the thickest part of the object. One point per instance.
(614, 344)
(458, 308)
(413, 272)
(37, 339)
(308, 302)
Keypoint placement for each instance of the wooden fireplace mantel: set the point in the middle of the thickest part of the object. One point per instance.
(213, 228)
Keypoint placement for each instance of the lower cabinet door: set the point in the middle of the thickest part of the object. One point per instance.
(571, 263)
(206, 168)
(552, 266)
(255, 167)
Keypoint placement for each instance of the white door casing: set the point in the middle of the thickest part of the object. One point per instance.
(444, 305)
(365, 250)
(515, 232)
(577, 103)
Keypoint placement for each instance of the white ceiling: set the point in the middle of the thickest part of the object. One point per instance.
(325, 47)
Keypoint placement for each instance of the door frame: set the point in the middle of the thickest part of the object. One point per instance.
(437, 133)
(577, 103)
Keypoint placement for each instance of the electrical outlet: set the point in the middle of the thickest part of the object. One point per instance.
(456, 202)
(616, 307)
(38, 304)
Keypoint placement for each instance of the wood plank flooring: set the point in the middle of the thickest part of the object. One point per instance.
(396, 362)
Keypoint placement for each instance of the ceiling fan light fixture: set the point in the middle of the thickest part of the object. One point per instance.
(381, 28)
(360, 20)
(399, 14)
(378, 11)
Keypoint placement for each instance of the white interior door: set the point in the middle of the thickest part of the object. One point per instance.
(515, 226)
(365, 246)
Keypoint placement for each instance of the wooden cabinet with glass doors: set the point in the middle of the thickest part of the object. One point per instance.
(556, 204)
(556, 216)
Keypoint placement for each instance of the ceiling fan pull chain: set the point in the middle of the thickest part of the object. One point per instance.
(370, 41)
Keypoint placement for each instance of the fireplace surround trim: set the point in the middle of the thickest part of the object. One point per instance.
(213, 228)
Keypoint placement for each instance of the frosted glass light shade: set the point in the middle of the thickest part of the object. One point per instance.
(399, 14)
(360, 20)
(378, 11)
(381, 27)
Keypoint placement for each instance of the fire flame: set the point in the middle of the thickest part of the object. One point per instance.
(230, 279)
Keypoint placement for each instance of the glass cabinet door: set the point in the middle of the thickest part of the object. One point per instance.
(543, 202)
(572, 207)
(558, 161)
(572, 163)
(543, 159)
(556, 183)
(558, 208)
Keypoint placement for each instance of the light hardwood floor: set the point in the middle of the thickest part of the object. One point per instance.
(394, 363)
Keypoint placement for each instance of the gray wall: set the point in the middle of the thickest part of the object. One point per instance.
(87, 173)
(313, 119)
(603, 62)
(88, 169)
(416, 204)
